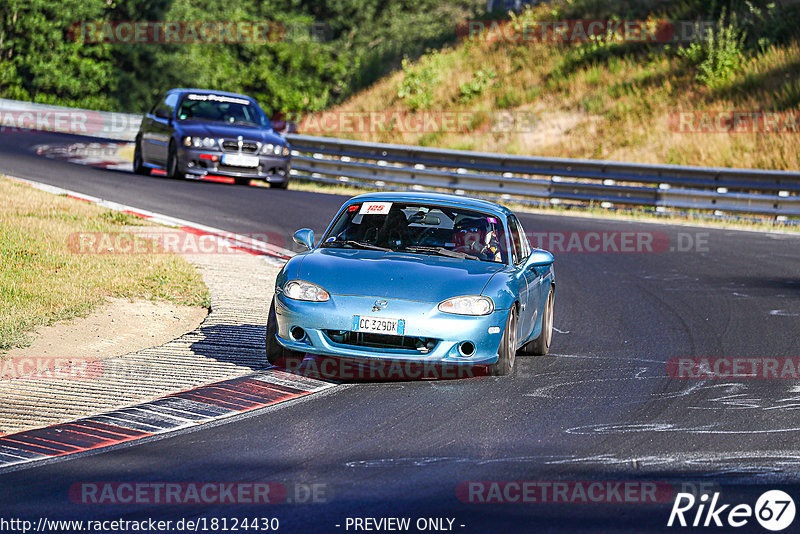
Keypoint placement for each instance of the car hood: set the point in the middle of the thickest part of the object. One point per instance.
(395, 275)
(229, 131)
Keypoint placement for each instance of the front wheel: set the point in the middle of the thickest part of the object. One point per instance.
(172, 163)
(276, 354)
(541, 345)
(138, 162)
(507, 353)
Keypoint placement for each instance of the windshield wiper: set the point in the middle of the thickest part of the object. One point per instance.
(358, 244)
(441, 251)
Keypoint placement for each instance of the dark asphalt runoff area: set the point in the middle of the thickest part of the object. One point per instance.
(605, 408)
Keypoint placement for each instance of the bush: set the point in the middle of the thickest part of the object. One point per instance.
(719, 54)
(481, 80)
(418, 82)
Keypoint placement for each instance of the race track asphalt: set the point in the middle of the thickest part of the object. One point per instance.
(601, 407)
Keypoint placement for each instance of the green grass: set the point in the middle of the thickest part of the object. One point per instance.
(42, 281)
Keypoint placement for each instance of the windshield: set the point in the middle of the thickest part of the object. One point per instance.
(219, 108)
(420, 229)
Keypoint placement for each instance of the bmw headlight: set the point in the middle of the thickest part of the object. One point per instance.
(272, 150)
(301, 290)
(472, 305)
(204, 142)
(200, 142)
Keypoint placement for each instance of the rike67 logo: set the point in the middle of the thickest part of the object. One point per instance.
(774, 510)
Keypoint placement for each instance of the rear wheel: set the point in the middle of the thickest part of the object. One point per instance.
(541, 345)
(279, 185)
(276, 354)
(508, 347)
(138, 162)
(172, 162)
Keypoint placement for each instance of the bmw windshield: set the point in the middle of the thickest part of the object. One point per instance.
(419, 229)
(220, 108)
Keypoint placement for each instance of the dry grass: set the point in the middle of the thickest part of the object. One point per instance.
(42, 281)
(614, 104)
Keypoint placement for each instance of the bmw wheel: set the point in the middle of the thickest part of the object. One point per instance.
(138, 163)
(172, 162)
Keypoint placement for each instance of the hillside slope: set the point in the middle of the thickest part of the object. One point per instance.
(614, 97)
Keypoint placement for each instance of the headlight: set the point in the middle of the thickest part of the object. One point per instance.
(187, 141)
(201, 142)
(467, 306)
(273, 150)
(300, 290)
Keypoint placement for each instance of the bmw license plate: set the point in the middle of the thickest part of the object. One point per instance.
(238, 160)
(379, 325)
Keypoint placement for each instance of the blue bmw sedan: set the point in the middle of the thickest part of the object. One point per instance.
(196, 133)
(415, 277)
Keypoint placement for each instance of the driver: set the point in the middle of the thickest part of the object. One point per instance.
(477, 237)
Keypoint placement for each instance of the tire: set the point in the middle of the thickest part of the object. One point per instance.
(507, 351)
(138, 163)
(541, 345)
(241, 181)
(276, 354)
(172, 163)
(279, 185)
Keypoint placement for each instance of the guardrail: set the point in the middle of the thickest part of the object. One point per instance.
(500, 176)
(16, 115)
(551, 180)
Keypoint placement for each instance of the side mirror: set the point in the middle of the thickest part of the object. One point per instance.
(162, 113)
(539, 259)
(305, 237)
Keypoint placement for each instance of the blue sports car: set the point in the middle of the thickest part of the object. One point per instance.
(415, 277)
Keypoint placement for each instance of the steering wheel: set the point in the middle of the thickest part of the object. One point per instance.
(371, 235)
(428, 237)
(394, 237)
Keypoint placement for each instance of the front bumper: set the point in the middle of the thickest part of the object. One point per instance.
(199, 162)
(422, 319)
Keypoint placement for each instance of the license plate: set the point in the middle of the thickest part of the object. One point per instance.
(238, 160)
(379, 325)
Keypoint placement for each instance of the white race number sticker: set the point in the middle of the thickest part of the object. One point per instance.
(375, 208)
